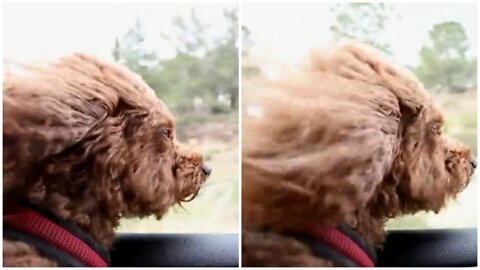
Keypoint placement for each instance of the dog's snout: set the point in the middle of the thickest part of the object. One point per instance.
(206, 170)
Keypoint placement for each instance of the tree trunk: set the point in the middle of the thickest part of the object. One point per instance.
(234, 99)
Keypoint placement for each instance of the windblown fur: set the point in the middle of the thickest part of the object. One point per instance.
(91, 142)
(351, 139)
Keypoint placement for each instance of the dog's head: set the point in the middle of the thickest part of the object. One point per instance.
(85, 137)
(351, 135)
(426, 167)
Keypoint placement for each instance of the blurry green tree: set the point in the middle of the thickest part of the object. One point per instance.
(248, 69)
(225, 61)
(445, 65)
(203, 75)
(132, 51)
(364, 22)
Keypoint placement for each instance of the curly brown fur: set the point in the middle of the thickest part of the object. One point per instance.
(351, 139)
(90, 141)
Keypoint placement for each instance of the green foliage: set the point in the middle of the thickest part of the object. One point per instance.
(131, 50)
(247, 70)
(190, 37)
(246, 40)
(225, 60)
(364, 22)
(219, 108)
(203, 71)
(445, 64)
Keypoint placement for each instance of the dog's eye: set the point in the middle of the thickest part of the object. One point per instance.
(167, 133)
(436, 129)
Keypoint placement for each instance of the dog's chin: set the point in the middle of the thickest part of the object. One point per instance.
(460, 178)
(464, 183)
(189, 197)
(190, 191)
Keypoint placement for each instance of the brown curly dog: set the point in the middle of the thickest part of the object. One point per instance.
(350, 140)
(89, 142)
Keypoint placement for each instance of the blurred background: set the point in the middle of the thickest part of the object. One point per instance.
(437, 41)
(188, 53)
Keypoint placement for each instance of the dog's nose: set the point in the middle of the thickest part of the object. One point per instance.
(473, 162)
(206, 170)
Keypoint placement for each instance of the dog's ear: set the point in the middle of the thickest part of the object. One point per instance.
(309, 154)
(45, 113)
(148, 182)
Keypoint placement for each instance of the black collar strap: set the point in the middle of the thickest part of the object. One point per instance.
(341, 245)
(350, 232)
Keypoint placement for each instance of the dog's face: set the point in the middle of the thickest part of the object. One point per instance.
(159, 171)
(429, 167)
(93, 138)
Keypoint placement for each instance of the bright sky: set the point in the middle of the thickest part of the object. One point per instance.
(39, 31)
(283, 31)
(287, 31)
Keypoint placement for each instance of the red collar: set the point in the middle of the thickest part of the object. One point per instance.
(60, 235)
(346, 242)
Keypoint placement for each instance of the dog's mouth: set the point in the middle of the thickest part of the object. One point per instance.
(460, 174)
(201, 176)
(190, 197)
